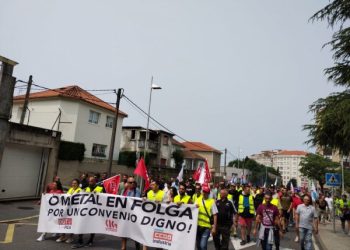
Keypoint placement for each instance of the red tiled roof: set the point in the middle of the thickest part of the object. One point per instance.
(190, 155)
(292, 152)
(177, 143)
(199, 146)
(73, 92)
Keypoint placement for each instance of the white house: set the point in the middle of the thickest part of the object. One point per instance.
(79, 115)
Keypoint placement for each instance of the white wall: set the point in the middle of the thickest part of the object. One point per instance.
(75, 118)
(90, 133)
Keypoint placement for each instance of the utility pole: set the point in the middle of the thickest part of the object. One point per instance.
(25, 105)
(114, 130)
(7, 86)
(225, 164)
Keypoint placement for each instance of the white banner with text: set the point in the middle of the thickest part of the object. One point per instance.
(167, 226)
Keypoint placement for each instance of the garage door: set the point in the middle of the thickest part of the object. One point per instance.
(20, 171)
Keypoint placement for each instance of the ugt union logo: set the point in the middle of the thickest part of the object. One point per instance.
(111, 225)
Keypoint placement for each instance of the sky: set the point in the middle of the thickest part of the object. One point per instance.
(234, 74)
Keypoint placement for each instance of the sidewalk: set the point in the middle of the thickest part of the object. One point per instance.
(328, 240)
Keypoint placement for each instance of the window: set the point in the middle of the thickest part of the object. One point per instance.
(166, 140)
(133, 134)
(163, 162)
(109, 121)
(98, 150)
(94, 117)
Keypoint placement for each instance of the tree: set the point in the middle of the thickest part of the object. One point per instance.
(258, 170)
(315, 167)
(332, 114)
(178, 156)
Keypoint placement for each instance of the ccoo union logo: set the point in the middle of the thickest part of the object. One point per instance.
(162, 238)
(65, 223)
(111, 225)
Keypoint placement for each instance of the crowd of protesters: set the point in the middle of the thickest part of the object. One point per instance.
(226, 209)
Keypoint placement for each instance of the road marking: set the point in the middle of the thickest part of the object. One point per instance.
(19, 219)
(9, 234)
(236, 244)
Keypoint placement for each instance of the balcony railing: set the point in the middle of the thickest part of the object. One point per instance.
(151, 144)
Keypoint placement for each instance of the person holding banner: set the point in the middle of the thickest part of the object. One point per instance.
(73, 190)
(182, 197)
(94, 188)
(207, 218)
(155, 194)
(51, 189)
(131, 191)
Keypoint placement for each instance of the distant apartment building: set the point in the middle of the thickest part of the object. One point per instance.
(286, 161)
(265, 157)
(77, 114)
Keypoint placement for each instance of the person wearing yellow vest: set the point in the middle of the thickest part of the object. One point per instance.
(344, 206)
(207, 209)
(68, 238)
(246, 213)
(93, 187)
(182, 197)
(155, 194)
(198, 192)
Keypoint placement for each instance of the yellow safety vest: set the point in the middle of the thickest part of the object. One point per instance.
(203, 218)
(155, 196)
(195, 197)
(74, 191)
(251, 204)
(229, 197)
(97, 189)
(274, 201)
(185, 199)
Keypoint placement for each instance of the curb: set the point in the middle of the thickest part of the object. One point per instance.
(319, 242)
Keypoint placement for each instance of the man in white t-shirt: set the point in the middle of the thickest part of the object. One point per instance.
(329, 200)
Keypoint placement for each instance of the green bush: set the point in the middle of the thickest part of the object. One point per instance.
(71, 151)
(127, 158)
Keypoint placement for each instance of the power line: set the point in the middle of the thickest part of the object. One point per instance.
(61, 92)
(161, 125)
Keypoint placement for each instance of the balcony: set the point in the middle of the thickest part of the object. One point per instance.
(153, 145)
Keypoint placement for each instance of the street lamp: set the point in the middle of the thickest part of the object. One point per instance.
(153, 87)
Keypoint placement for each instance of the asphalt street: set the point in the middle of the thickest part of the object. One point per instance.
(18, 230)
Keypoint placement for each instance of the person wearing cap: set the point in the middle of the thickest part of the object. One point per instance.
(207, 218)
(246, 213)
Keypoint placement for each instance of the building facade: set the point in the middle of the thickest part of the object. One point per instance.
(77, 114)
(212, 155)
(160, 144)
(286, 161)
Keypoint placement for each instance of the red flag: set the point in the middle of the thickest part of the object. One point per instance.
(111, 185)
(197, 173)
(141, 171)
(207, 177)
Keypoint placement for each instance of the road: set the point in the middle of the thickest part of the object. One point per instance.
(17, 233)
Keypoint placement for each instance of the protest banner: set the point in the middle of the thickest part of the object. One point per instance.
(159, 225)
